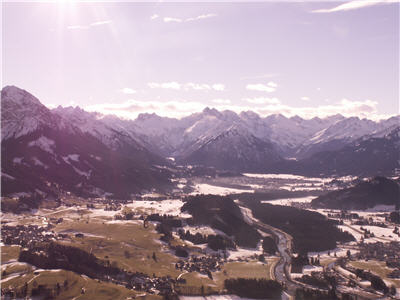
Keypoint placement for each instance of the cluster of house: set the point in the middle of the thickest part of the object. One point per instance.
(370, 222)
(26, 236)
(387, 252)
(142, 282)
(201, 264)
(343, 215)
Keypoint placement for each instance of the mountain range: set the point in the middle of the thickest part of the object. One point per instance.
(94, 154)
(44, 152)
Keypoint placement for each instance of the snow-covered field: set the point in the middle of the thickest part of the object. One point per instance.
(289, 201)
(307, 270)
(167, 207)
(245, 252)
(286, 176)
(204, 188)
(340, 252)
(380, 234)
(202, 229)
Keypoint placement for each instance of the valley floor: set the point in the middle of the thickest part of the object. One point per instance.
(134, 246)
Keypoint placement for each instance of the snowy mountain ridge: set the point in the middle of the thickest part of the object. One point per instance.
(293, 137)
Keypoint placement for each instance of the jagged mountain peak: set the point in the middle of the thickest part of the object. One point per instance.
(22, 113)
(211, 111)
(250, 115)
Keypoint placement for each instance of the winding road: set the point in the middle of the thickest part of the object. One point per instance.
(283, 267)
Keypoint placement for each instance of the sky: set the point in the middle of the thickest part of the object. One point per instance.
(125, 58)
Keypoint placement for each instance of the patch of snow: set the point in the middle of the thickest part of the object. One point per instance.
(245, 252)
(37, 162)
(41, 193)
(5, 175)
(82, 173)
(43, 143)
(357, 235)
(289, 201)
(383, 232)
(17, 160)
(167, 207)
(13, 264)
(286, 176)
(71, 157)
(20, 194)
(136, 222)
(340, 252)
(10, 277)
(204, 188)
(205, 230)
(345, 272)
(308, 269)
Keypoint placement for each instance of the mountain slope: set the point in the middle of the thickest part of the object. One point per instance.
(364, 195)
(117, 134)
(234, 149)
(367, 156)
(45, 153)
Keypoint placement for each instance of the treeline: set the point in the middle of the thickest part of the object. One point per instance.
(376, 282)
(56, 256)
(311, 231)
(215, 242)
(269, 245)
(254, 288)
(165, 226)
(222, 213)
(308, 294)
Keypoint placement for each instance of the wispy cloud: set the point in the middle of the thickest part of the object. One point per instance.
(94, 24)
(98, 23)
(169, 19)
(269, 87)
(356, 4)
(153, 17)
(181, 20)
(187, 86)
(128, 91)
(201, 17)
(218, 87)
(305, 98)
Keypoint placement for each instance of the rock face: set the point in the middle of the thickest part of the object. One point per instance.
(364, 195)
(44, 153)
(368, 156)
(235, 149)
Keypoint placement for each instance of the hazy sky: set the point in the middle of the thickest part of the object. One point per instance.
(305, 58)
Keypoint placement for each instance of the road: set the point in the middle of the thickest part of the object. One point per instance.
(283, 267)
